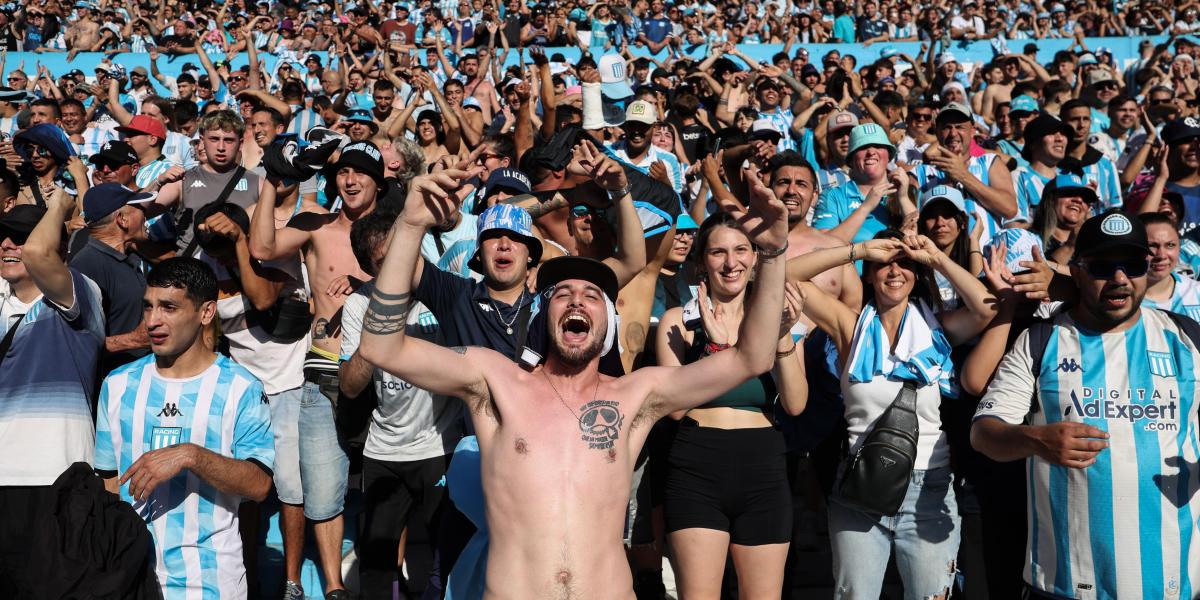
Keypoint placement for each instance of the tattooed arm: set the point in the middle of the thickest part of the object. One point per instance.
(425, 365)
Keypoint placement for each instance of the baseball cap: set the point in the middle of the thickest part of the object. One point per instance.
(1068, 184)
(943, 193)
(562, 268)
(641, 112)
(1112, 230)
(612, 76)
(841, 120)
(765, 129)
(114, 152)
(1023, 104)
(509, 179)
(472, 102)
(1087, 58)
(685, 222)
(870, 135)
(809, 69)
(1040, 127)
(889, 52)
(510, 220)
(946, 58)
(140, 71)
(145, 124)
(1179, 130)
(105, 199)
(362, 115)
(954, 110)
(364, 157)
(20, 221)
(1098, 76)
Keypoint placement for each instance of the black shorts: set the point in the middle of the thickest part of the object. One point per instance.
(732, 480)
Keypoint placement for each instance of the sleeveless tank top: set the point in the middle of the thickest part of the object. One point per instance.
(756, 394)
(201, 186)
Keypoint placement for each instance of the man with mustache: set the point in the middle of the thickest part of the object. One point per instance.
(1107, 390)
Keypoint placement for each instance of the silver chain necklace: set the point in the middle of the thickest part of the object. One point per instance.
(509, 324)
(595, 391)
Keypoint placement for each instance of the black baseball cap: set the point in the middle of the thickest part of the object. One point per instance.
(1112, 230)
(562, 268)
(1179, 130)
(114, 152)
(19, 222)
(1041, 126)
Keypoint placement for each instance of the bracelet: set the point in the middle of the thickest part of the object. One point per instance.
(779, 355)
(851, 253)
(773, 253)
(615, 195)
(976, 252)
(713, 348)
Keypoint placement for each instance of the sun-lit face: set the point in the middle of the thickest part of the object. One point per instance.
(1164, 250)
(728, 260)
(221, 147)
(869, 164)
(892, 283)
(174, 321)
(578, 320)
(356, 188)
(794, 186)
(1113, 300)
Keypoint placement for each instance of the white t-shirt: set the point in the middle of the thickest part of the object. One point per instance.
(409, 423)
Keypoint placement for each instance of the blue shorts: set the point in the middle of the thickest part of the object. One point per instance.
(285, 423)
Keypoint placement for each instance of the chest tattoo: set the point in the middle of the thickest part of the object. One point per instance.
(600, 423)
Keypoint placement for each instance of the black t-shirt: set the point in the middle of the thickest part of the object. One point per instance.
(694, 138)
(122, 284)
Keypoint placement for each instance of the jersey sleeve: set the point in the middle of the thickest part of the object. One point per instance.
(826, 214)
(106, 456)
(252, 437)
(1009, 396)
(352, 320)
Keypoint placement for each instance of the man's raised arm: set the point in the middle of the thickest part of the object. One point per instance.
(688, 386)
(447, 371)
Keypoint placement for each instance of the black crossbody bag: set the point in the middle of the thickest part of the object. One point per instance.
(876, 477)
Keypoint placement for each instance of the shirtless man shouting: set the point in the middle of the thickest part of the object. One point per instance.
(558, 443)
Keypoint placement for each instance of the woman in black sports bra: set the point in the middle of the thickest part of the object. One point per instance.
(727, 489)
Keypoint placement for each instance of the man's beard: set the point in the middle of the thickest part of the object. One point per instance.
(576, 356)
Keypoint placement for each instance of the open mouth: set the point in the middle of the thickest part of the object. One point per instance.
(10, 260)
(503, 263)
(1115, 301)
(575, 328)
(894, 284)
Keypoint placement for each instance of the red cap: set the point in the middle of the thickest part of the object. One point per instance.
(147, 125)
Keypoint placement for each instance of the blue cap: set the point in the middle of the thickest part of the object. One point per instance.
(1070, 184)
(512, 221)
(944, 193)
(510, 179)
(685, 222)
(889, 52)
(1019, 244)
(472, 102)
(360, 115)
(1058, 8)
(105, 199)
(1043, 15)
(1023, 103)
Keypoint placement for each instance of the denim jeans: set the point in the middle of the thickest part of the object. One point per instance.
(924, 533)
(285, 423)
(324, 466)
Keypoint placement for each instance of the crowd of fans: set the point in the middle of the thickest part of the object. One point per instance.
(662, 302)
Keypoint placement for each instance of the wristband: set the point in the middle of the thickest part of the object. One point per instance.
(615, 195)
(713, 348)
(773, 253)
(779, 355)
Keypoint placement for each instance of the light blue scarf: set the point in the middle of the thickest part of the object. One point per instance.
(922, 353)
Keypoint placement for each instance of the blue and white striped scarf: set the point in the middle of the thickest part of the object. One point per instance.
(922, 353)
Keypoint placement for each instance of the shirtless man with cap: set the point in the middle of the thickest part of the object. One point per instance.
(558, 443)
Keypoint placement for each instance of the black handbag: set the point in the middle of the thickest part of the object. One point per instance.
(876, 478)
(288, 320)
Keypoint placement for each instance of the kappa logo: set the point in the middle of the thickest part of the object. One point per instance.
(1068, 365)
(198, 184)
(170, 409)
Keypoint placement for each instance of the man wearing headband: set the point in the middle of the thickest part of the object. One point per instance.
(562, 429)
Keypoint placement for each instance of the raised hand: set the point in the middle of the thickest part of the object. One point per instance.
(716, 322)
(793, 307)
(604, 171)
(765, 223)
(1034, 283)
(996, 272)
(432, 199)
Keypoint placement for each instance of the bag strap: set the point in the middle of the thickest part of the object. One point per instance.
(36, 190)
(222, 198)
(6, 343)
(1039, 338)
(523, 318)
(1188, 326)
(906, 398)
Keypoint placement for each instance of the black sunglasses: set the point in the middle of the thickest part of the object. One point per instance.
(580, 211)
(18, 237)
(1107, 269)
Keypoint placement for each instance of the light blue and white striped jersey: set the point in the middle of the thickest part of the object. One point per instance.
(148, 173)
(674, 169)
(1103, 173)
(1029, 185)
(1185, 298)
(178, 150)
(304, 119)
(1124, 527)
(94, 139)
(197, 546)
(929, 177)
(9, 125)
(781, 118)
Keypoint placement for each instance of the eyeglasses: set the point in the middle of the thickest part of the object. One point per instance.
(580, 211)
(921, 116)
(40, 151)
(685, 233)
(1107, 269)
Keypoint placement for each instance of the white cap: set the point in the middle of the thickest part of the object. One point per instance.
(641, 112)
(613, 80)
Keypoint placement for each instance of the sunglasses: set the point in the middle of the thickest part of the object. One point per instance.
(1107, 269)
(238, 79)
(107, 166)
(18, 237)
(922, 116)
(40, 151)
(12, 79)
(580, 211)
